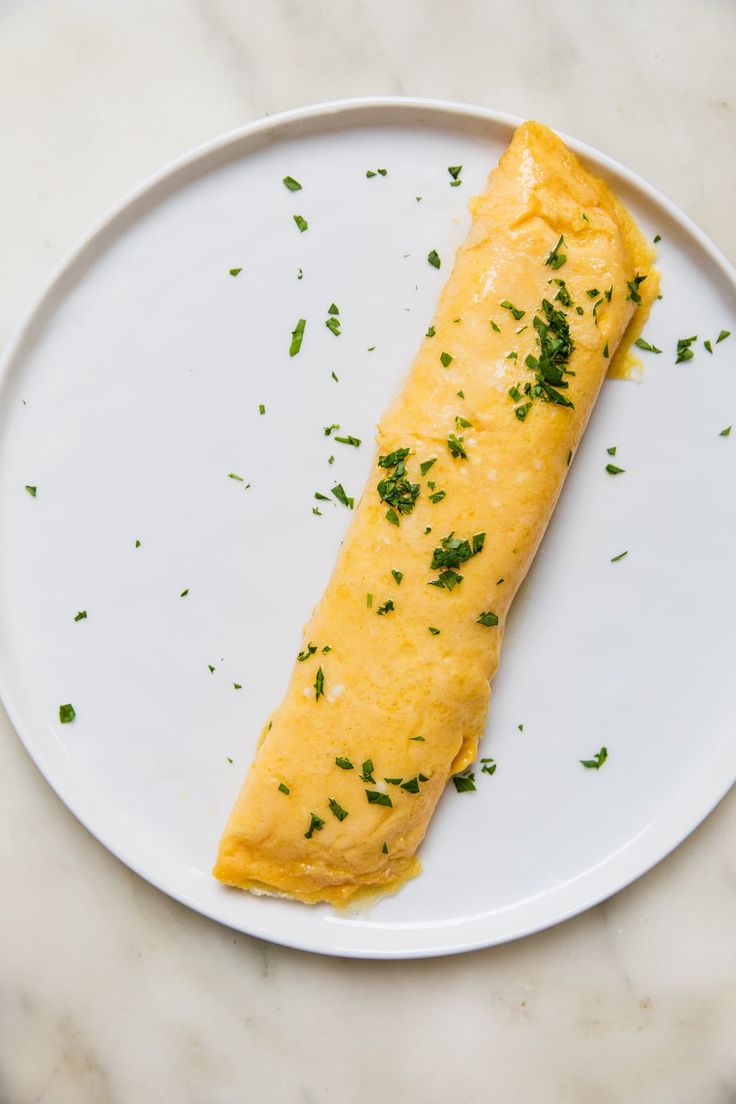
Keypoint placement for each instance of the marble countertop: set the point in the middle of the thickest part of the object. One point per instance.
(110, 991)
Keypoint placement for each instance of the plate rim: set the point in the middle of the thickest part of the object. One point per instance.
(343, 113)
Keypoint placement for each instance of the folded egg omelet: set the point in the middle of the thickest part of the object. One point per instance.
(390, 693)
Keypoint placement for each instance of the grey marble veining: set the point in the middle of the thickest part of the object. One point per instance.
(110, 992)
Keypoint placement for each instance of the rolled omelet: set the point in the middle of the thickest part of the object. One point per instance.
(389, 695)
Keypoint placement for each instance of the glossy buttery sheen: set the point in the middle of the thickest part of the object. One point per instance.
(382, 692)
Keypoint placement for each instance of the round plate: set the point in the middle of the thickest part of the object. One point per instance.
(132, 392)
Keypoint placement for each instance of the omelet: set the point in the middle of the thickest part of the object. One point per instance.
(389, 695)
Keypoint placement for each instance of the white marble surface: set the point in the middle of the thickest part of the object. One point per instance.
(109, 991)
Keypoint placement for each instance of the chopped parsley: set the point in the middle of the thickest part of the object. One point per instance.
(488, 766)
(642, 344)
(333, 309)
(448, 579)
(375, 797)
(454, 171)
(337, 810)
(446, 359)
(605, 351)
(569, 457)
(657, 238)
(460, 394)
(452, 551)
(81, 616)
(612, 469)
(319, 684)
(633, 286)
(67, 713)
(724, 433)
(210, 668)
(430, 332)
(261, 408)
(333, 324)
(328, 429)
(563, 295)
(137, 544)
(597, 761)
(437, 496)
(398, 576)
(387, 606)
(708, 347)
(349, 440)
(411, 785)
(455, 445)
(462, 423)
(292, 184)
(615, 559)
(417, 739)
(514, 310)
(555, 349)
(316, 824)
(395, 489)
(376, 172)
(237, 686)
(367, 771)
(308, 651)
(31, 490)
(235, 271)
(339, 492)
(684, 352)
(434, 631)
(494, 326)
(343, 763)
(182, 595)
(284, 789)
(427, 464)
(488, 619)
(612, 450)
(464, 783)
(593, 293)
(722, 336)
(297, 334)
(384, 849)
(434, 258)
(369, 601)
(556, 259)
(301, 223)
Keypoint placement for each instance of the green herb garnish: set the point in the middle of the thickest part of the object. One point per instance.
(81, 616)
(454, 171)
(633, 286)
(642, 344)
(308, 651)
(67, 713)
(724, 433)
(284, 789)
(488, 619)
(464, 783)
(297, 335)
(301, 223)
(337, 810)
(398, 576)
(235, 271)
(344, 763)
(597, 762)
(612, 469)
(367, 771)
(722, 336)
(375, 797)
(354, 441)
(430, 332)
(31, 490)
(456, 448)
(434, 258)
(292, 184)
(316, 824)
(488, 766)
(615, 559)
(494, 326)
(387, 606)
(556, 259)
(339, 492)
(434, 631)
(319, 684)
(514, 310)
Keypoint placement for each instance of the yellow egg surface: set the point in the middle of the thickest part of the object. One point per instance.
(391, 694)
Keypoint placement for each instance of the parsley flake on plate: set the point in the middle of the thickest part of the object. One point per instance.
(597, 761)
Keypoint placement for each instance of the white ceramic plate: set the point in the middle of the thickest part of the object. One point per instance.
(133, 389)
